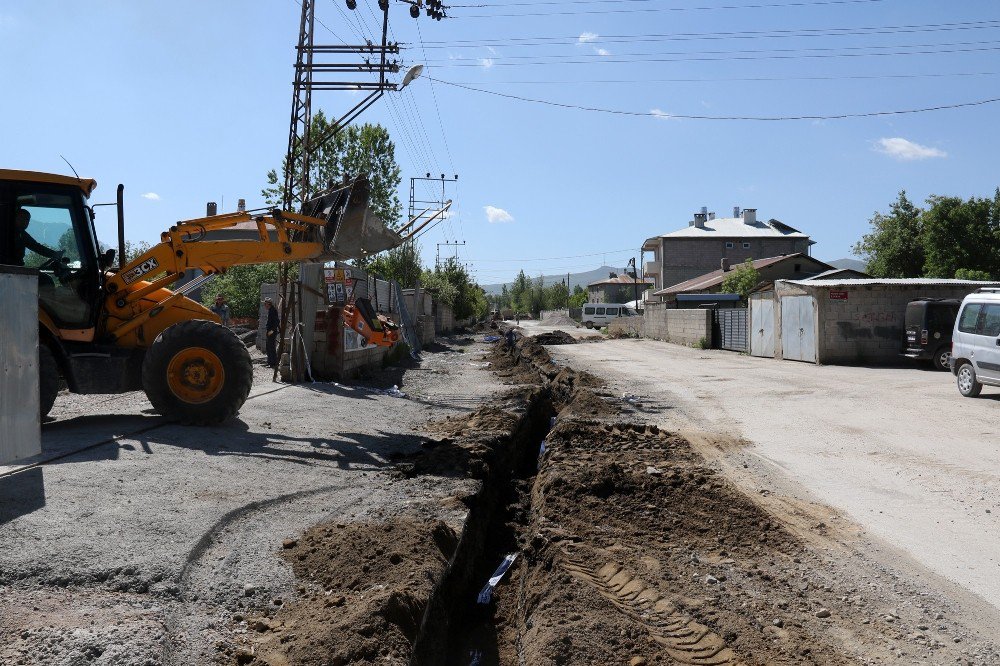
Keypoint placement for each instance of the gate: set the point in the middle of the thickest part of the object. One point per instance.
(729, 329)
(798, 334)
(762, 324)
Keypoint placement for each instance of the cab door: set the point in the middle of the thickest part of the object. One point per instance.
(987, 344)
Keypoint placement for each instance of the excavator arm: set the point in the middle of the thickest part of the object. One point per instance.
(139, 304)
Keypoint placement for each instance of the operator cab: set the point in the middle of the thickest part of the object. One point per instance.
(45, 224)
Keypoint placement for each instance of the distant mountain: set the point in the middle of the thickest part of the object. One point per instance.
(582, 279)
(849, 263)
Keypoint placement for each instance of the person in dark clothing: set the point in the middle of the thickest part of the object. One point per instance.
(23, 240)
(271, 333)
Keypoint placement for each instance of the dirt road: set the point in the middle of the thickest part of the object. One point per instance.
(897, 450)
(159, 545)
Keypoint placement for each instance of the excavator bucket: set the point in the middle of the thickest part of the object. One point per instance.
(353, 230)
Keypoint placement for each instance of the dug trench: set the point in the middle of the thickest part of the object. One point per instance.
(629, 549)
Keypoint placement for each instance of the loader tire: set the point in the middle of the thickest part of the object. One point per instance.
(197, 372)
(48, 380)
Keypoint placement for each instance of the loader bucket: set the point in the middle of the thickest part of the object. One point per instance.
(353, 230)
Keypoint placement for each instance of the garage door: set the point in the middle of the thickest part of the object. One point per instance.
(798, 334)
(762, 327)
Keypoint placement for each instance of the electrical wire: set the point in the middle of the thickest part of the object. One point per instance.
(776, 5)
(860, 77)
(663, 115)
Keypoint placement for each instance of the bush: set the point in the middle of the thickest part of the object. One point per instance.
(702, 343)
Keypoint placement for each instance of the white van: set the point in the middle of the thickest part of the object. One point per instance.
(975, 344)
(597, 315)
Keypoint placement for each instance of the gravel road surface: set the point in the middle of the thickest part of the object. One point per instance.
(141, 549)
(898, 450)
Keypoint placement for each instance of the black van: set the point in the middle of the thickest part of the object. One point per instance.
(927, 330)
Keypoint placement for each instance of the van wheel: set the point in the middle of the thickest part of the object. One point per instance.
(941, 358)
(968, 385)
(588, 324)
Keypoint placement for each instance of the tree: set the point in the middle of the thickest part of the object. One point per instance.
(556, 296)
(741, 280)
(356, 150)
(401, 264)
(579, 297)
(134, 248)
(959, 234)
(894, 248)
(452, 285)
(241, 287)
(970, 274)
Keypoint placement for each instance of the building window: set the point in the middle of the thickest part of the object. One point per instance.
(798, 268)
(730, 245)
(746, 246)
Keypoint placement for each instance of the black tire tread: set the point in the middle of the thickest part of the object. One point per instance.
(48, 380)
(220, 340)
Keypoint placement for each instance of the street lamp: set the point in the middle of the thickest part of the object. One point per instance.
(412, 74)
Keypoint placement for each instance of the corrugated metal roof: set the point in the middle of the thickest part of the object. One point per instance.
(715, 278)
(916, 282)
(735, 227)
(621, 279)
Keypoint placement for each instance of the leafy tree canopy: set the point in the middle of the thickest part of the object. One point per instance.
(741, 280)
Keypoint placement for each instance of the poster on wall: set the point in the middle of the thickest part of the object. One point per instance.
(353, 341)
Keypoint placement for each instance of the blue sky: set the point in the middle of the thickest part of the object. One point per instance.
(187, 102)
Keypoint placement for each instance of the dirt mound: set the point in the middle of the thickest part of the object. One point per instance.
(635, 552)
(555, 338)
(363, 589)
(559, 319)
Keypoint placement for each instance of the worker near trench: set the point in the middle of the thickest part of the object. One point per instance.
(271, 333)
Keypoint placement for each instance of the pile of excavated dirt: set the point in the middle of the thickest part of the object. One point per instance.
(559, 319)
(363, 589)
(555, 338)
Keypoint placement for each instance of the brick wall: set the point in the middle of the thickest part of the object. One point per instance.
(683, 327)
(867, 326)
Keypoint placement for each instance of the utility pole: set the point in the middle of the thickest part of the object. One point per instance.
(455, 244)
(428, 204)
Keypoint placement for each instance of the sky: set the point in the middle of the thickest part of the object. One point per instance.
(189, 101)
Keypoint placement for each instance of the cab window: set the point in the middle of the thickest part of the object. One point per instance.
(970, 317)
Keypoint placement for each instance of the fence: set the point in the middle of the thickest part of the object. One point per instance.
(730, 329)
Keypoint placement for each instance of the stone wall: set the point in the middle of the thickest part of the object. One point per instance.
(683, 327)
(629, 327)
(444, 319)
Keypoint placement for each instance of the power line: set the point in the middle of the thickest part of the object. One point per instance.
(736, 79)
(663, 115)
(784, 5)
(572, 256)
(543, 40)
(618, 60)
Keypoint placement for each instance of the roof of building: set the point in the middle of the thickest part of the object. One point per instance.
(620, 279)
(841, 274)
(715, 278)
(735, 227)
(917, 282)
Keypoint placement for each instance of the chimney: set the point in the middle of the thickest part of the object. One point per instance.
(749, 216)
(725, 264)
(711, 216)
(241, 205)
(211, 209)
(612, 275)
(700, 219)
(736, 211)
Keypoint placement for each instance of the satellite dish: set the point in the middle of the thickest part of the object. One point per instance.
(411, 74)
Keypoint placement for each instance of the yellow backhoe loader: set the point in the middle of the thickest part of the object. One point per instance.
(110, 329)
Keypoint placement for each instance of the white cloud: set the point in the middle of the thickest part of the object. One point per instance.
(904, 150)
(486, 63)
(152, 196)
(497, 215)
(588, 37)
(602, 52)
(660, 114)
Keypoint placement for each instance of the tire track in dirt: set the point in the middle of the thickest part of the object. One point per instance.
(685, 640)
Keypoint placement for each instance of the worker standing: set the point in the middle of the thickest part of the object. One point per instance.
(221, 309)
(271, 331)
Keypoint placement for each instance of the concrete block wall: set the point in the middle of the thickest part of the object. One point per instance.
(683, 327)
(867, 327)
(444, 318)
(632, 327)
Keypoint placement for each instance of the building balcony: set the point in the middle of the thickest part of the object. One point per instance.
(652, 268)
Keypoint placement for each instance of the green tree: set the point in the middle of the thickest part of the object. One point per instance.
(578, 298)
(401, 264)
(959, 234)
(241, 287)
(971, 274)
(451, 283)
(741, 280)
(556, 296)
(356, 150)
(894, 248)
(135, 248)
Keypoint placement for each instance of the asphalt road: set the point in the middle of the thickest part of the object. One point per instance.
(898, 450)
